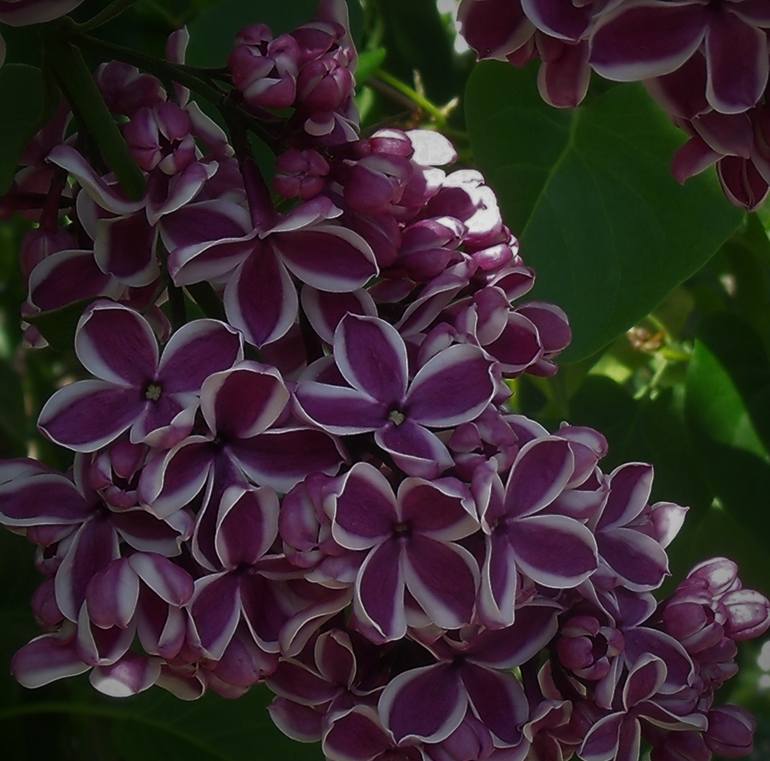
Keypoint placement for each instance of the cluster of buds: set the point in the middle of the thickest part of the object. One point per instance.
(318, 485)
(706, 64)
(309, 70)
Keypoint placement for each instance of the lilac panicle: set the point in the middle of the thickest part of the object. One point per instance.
(321, 487)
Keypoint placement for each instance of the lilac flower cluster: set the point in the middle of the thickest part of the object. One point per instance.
(705, 62)
(322, 489)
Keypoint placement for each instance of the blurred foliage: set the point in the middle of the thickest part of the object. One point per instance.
(668, 289)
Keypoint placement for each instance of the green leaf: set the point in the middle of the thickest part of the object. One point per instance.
(728, 408)
(418, 40)
(58, 326)
(156, 726)
(608, 230)
(368, 62)
(71, 72)
(22, 91)
(650, 430)
(212, 33)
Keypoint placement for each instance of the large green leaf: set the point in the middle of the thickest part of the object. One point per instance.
(22, 93)
(728, 408)
(589, 192)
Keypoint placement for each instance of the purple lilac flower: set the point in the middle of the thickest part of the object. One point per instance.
(354, 517)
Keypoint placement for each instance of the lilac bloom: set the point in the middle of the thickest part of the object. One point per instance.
(649, 38)
(135, 388)
(358, 735)
(145, 593)
(454, 387)
(54, 656)
(430, 702)
(522, 536)
(411, 542)
(638, 560)
(90, 534)
(216, 239)
(238, 406)
(246, 528)
(617, 737)
(311, 694)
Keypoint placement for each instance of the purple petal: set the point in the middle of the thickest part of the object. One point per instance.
(169, 581)
(325, 310)
(116, 344)
(247, 525)
(442, 578)
(46, 659)
(535, 627)
(426, 703)
(379, 591)
(563, 20)
(207, 240)
(499, 580)
(244, 401)
(356, 736)
(365, 512)
(518, 346)
(371, 356)
(644, 680)
(125, 248)
(641, 642)
(281, 458)
(170, 480)
(67, 277)
(195, 351)
(563, 80)
(327, 257)
(168, 194)
(106, 196)
(43, 500)
(296, 721)
(416, 450)
(692, 158)
(112, 595)
(498, 700)
(453, 387)
(646, 39)
(260, 299)
(215, 611)
(602, 741)
(92, 548)
(335, 658)
(131, 675)
(340, 410)
(737, 60)
(553, 550)
(441, 510)
(630, 487)
(265, 610)
(494, 28)
(542, 469)
(298, 682)
(639, 560)
(164, 422)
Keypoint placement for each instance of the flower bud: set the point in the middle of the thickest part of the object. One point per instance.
(300, 174)
(731, 732)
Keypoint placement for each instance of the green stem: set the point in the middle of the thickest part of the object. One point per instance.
(411, 94)
(113, 10)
